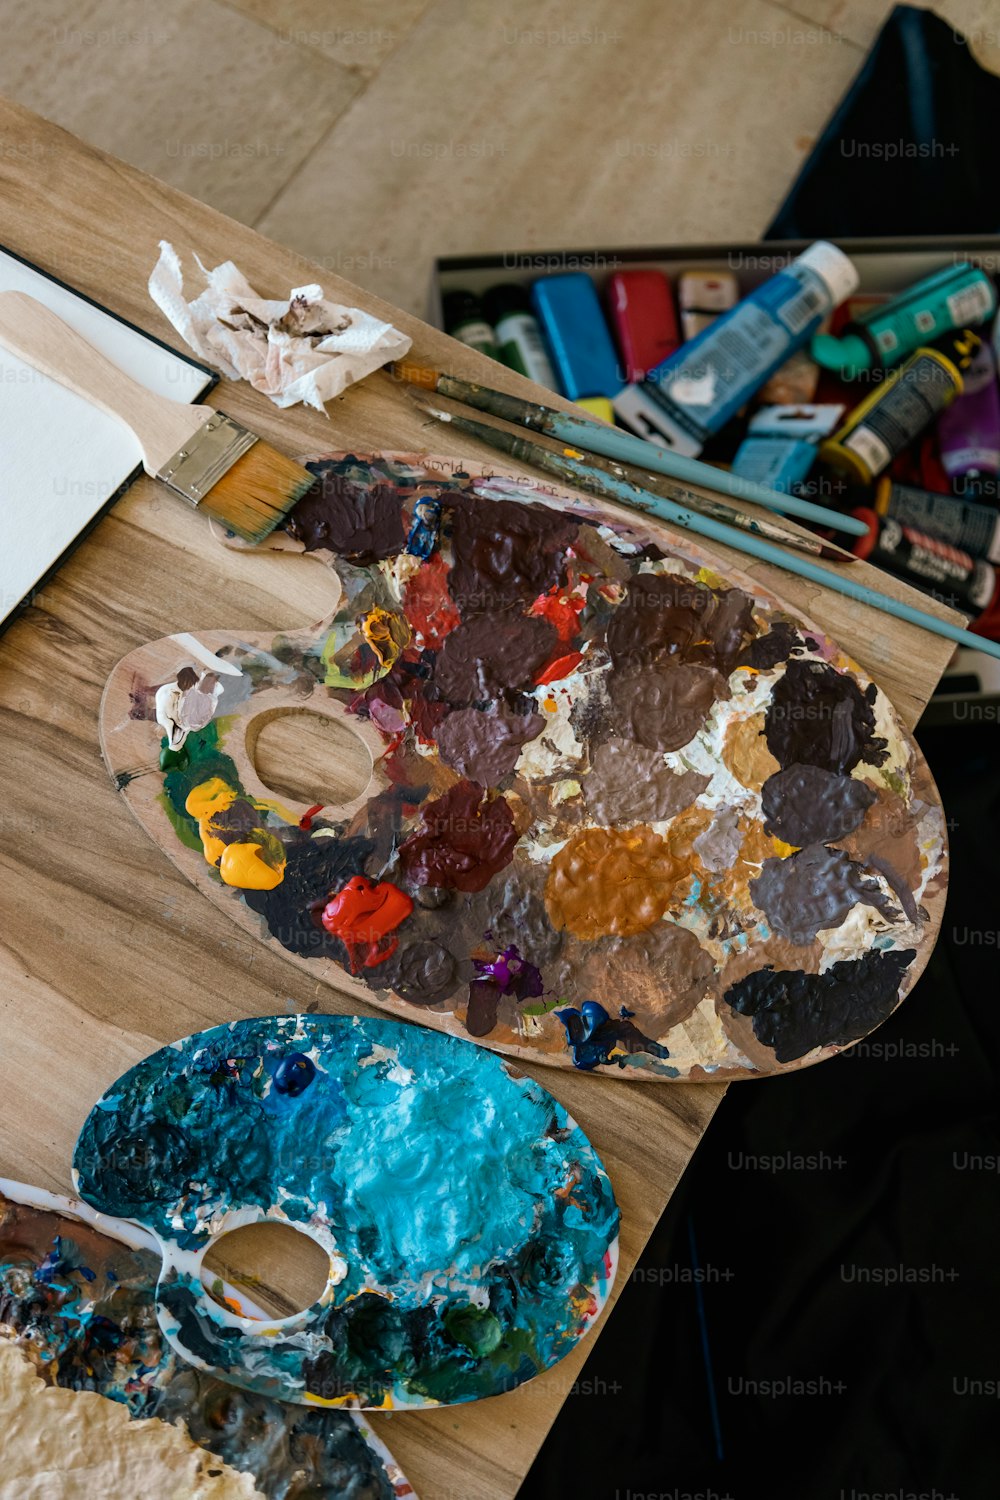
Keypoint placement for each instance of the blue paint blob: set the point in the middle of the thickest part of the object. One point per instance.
(294, 1074)
(594, 1038)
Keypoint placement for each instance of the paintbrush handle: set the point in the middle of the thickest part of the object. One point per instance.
(592, 480)
(612, 442)
(35, 334)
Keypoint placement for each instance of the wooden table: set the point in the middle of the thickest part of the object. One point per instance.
(106, 951)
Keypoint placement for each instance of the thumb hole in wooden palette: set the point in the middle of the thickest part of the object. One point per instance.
(312, 758)
(280, 1268)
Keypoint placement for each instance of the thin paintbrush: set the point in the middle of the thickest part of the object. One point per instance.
(600, 437)
(705, 505)
(583, 477)
(204, 456)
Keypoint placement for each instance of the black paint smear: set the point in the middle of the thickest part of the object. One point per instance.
(820, 717)
(314, 868)
(767, 651)
(358, 520)
(197, 1330)
(795, 1012)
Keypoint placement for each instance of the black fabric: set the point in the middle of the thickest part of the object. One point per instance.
(911, 148)
(902, 1145)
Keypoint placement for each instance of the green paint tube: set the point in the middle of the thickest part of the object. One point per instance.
(959, 296)
(522, 347)
(464, 320)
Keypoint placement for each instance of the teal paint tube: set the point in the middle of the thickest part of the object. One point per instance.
(960, 296)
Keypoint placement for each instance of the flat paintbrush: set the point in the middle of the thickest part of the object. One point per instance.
(600, 437)
(207, 458)
(582, 476)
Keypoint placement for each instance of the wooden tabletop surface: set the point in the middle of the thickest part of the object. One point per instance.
(106, 950)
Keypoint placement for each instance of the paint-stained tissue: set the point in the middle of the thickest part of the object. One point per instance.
(301, 348)
(628, 813)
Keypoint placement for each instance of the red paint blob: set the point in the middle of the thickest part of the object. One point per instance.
(363, 916)
(429, 607)
(562, 611)
(561, 667)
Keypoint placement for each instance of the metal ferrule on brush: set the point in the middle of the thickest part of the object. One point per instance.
(197, 468)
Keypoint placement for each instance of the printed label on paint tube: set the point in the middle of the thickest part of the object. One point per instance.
(974, 528)
(869, 448)
(968, 583)
(522, 348)
(970, 305)
(904, 411)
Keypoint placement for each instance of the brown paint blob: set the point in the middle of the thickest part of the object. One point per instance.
(361, 521)
(485, 745)
(484, 656)
(745, 753)
(607, 882)
(664, 709)
(464, 840)
(660, 974)
(664, 615)
(505, 553)
(628, 784)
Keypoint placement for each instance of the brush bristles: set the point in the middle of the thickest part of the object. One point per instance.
(256, 494)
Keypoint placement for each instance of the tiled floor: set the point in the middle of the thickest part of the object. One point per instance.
(373, 136)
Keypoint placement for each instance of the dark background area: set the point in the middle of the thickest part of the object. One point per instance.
(837, 1228)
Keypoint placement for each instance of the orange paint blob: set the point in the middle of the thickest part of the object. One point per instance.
(608, 882)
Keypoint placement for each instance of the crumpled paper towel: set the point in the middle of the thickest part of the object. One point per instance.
(304, 349)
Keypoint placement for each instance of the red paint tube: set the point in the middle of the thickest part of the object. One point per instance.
(645, 321)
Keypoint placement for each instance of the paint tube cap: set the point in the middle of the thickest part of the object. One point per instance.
(848, 355)
(988, 623)
(500, 301)
(460, 307)
(864, 546)
(836, 270)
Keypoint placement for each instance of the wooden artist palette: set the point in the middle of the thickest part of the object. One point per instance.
(627, 811)
(470, 1229)
(77, 1291)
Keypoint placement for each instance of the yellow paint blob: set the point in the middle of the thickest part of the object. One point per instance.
(203, 802)
(243, 865)
(209, 797)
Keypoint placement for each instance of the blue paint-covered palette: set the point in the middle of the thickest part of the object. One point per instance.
(471, 1228)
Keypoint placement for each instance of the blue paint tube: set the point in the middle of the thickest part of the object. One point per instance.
(780, 446)
(695, 392)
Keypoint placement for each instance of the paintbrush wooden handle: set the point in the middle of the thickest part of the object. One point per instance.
(39, 337)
